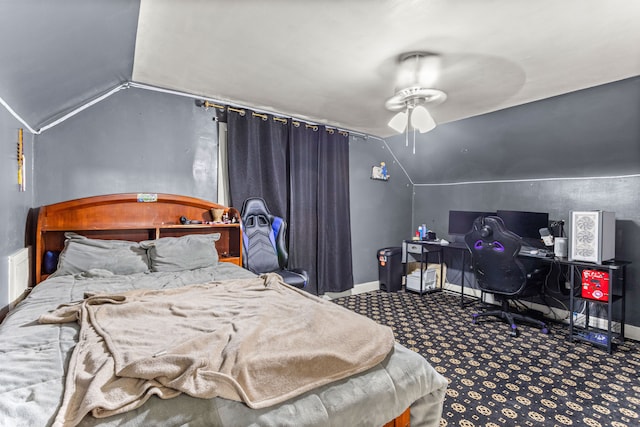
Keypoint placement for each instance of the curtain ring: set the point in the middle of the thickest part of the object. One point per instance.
(239, 111)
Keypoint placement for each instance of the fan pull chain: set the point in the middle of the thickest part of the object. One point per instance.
(414, 140)
(406, 132)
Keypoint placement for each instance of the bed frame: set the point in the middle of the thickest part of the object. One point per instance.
(134, 217)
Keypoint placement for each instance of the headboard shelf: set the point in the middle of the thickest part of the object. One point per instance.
(147, 227)
(126, 217)
(222, 225)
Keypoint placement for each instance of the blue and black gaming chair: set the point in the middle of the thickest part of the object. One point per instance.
(500, 270)
(264, 244)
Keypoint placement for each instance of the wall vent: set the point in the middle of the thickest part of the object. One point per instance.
(18, 276)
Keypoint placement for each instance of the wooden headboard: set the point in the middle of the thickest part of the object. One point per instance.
(134, 217)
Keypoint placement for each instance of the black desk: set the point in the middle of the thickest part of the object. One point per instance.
(460, 246)
(617, 281)
(422, 247)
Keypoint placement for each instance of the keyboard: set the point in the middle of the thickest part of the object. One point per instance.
(535, 252)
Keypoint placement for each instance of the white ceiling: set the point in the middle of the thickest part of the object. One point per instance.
(333, 61)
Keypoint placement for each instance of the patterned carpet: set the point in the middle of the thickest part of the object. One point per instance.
(499, 380)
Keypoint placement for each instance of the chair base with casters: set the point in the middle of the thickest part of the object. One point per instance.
(506, 314)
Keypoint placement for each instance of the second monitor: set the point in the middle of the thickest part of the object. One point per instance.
(525, 224)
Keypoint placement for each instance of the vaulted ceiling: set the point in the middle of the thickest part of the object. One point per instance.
(327, 61)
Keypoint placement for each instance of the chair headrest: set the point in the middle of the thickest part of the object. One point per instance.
(254, 206)
(490, 232)
(489, 225)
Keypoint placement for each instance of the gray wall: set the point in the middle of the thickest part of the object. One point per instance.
(134, 141)
(595, 141)
(142, 141)
(592, 132)
(14, 204)
(380, 210)
(57, 55)
(558, 197)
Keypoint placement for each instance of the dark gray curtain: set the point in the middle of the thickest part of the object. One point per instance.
(302, 172)
(335, 272)
(303, 235)
(258, 164)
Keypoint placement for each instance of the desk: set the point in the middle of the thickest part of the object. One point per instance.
(422, 247)
(617, 279)
(577, 332)
(460, 246)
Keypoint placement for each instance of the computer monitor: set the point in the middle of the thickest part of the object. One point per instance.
(460, 222)
(525, 224)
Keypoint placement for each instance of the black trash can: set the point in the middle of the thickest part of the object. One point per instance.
(390, 268)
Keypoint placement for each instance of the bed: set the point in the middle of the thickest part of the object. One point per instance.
(43, 340)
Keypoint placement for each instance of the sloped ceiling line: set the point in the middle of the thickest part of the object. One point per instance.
(128, 85)
(18, 118)
(66, 116)
(502, 181)
(394, 157)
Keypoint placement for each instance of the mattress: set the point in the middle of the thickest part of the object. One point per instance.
(35, 360)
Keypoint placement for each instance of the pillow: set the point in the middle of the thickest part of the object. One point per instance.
(82, 254)
(182, 253)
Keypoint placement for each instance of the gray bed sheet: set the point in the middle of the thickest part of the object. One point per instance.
(34, 359)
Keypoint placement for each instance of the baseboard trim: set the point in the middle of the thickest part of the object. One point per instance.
(357, 289)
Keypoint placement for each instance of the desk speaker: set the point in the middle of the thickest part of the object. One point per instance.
(560, 247)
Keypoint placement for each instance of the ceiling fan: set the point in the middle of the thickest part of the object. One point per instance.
(416, 75)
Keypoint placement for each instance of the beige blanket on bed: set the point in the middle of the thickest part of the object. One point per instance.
(253, 340)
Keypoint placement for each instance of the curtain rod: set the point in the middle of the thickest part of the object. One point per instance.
(216, 103)
(265, 116)
(240, 109)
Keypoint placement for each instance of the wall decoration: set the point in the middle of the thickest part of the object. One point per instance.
(380, 172)
(22, 186)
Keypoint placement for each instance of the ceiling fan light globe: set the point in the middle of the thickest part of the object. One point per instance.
(399, 121)
(422, 120)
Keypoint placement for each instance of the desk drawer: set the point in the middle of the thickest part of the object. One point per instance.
(414, 248)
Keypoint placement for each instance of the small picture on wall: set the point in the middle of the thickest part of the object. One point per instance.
(380, 172)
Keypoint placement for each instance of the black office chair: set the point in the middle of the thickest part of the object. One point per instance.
(264, 244)
(500, 271)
